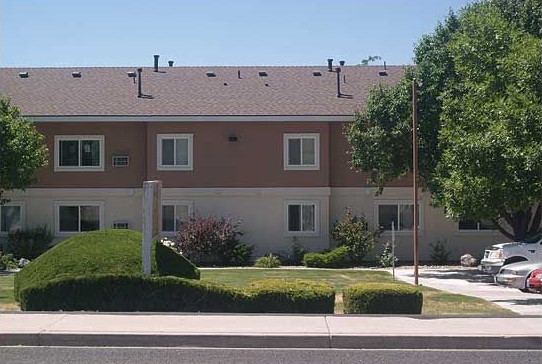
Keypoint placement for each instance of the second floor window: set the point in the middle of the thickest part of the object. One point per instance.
(301, 151)
(174, 152)
(79, 152)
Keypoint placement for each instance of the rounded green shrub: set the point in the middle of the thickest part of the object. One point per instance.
(268, 261)
(101, 252)
(126, 293)
(382, 298)
(291, 296)
(336, 258)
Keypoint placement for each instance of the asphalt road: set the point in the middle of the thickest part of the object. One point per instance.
(73, 355)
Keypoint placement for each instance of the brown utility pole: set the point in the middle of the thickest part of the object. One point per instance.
(415, 174)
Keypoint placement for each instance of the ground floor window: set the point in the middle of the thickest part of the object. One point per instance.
(476, 225)
(400, 213)
(11, 217)
(301, 216)
(79, 217)
(173, 214)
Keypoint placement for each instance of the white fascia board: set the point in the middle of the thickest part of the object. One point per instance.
(197, 118)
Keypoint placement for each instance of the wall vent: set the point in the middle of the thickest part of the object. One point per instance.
(121, 161)
(121, 225)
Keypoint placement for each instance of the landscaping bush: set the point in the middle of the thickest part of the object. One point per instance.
(290, 296)
(439, 252)
(101, 252)
(210, 240)
(7, 261)
(386, 259)
(29, 243)
(351, 231)
(267, 261)
(382, 298)
(295, 256)
(125, 293)
(336, 258)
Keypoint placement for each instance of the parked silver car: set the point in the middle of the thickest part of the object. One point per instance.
(515, 275)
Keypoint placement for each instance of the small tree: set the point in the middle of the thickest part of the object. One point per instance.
(351, 231)
(22, 150)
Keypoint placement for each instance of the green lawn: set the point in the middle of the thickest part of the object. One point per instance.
(435, 302)
(7, 302)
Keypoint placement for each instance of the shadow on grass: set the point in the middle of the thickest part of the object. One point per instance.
(469, 275)
(526, 302)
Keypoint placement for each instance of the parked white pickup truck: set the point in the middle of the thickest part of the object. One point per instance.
(502, 254)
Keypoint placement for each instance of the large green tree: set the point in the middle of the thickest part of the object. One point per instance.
(22, 150)
(480, 117)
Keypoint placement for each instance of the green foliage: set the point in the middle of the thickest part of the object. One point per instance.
(171, 263)
(439, 252)
(386, 259)
(126, 293)
(211, 240)
(479, 111)
(7, 261)
(99, 252)
(22, 149)
(382, 298)
(336, 258)
(351, 231)
(268, 261)
(29, 243)
(292, 296)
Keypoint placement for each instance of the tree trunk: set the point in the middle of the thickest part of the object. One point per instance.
(523, 224)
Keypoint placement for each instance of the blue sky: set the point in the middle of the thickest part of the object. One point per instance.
(54, 33)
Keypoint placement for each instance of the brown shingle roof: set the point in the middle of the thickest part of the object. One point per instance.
(187, 91)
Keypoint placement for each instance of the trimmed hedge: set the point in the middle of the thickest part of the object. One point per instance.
(125, 293)
(336, 258)
(101, 252)
(382, 298)
(292, 296)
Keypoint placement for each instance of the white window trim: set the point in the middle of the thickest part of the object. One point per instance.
(188, 203)
(59, 233)
(160, 137)
(21, 204)
(399, 202)
(316, 232)
(59, 168)
(286, 154)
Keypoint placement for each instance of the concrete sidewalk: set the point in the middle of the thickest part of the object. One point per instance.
(269, 331)
(472, 282)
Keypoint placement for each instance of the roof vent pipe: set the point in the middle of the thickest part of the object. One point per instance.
(139, 93)
(170, 63)
(341, 63)
(338, 71)
(156, 56)
(385, 65)
(330, 64)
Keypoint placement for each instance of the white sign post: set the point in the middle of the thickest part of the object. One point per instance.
(152, 220)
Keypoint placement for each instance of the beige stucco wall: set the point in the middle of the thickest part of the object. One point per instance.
(262, 214)
(434, 224)
(260, 210)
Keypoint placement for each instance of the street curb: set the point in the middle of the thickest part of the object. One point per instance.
(273, 341)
